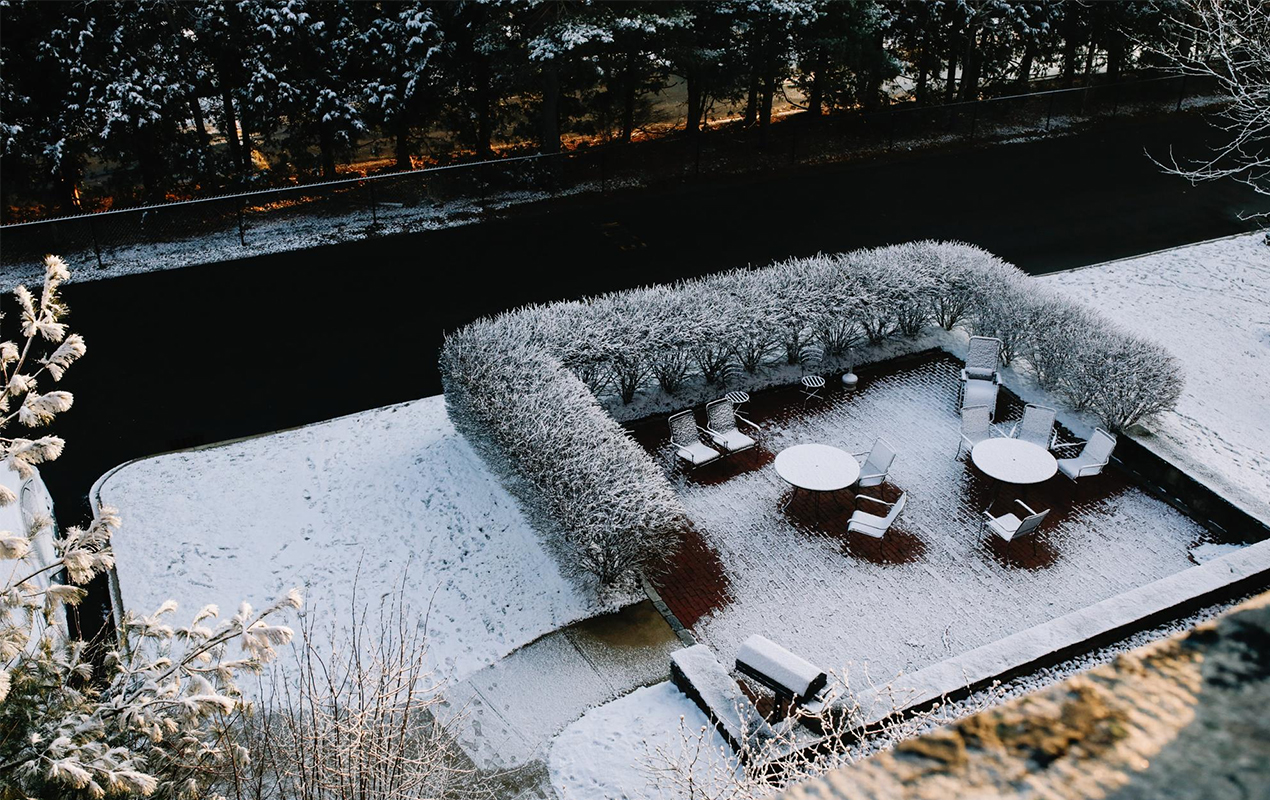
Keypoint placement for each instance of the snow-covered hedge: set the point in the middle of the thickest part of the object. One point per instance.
(524, 386)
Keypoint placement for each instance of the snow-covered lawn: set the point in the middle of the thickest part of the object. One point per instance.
(370, 497)
(1209, 304)
(609, 751)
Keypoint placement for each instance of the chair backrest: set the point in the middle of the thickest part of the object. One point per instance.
(1099, 447)
(1037, 425)
(896, 508)
(721, 415)
(976, 423)
(1031, 523)
(880, 458)
(683, 428)
(981, 358)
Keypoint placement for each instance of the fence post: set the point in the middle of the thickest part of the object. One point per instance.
(974, 118)
(374, 214)
(1115, 98)
(793, 147)
(604, 175)
(890, 129)
(697, 138)
(92, 229)
(1050, 111)
(242, 236)
(1181, 93)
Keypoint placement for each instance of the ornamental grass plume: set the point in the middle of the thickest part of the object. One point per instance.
(138, 721)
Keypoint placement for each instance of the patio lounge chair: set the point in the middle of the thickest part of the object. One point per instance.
(979, 379)
(721, 420)
(1010, 527)
(1095, 455)
(880, 458)
(1037, 426)
(976, 425)
(871, 524)
(686, 437)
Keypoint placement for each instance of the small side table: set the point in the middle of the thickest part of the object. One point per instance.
(738, 397)
(812, 384)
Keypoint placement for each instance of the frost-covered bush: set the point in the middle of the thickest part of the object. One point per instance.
(613, 510)
(524, 387)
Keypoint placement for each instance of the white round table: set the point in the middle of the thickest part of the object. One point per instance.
(817, 467)
(1014, 461)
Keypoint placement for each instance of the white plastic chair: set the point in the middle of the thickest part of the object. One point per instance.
(976, 426)
(874, 468)
(1093, 457)
(685, 435)
(979, 379)
(721, 420)
(1037, 426)
(1010, 527)
(871, 524)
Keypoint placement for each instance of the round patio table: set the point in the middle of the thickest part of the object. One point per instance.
(816, 468)
(1014, 461)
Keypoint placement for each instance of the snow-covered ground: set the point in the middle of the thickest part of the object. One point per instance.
(371, 497)
(612, 752)
(1209, 304)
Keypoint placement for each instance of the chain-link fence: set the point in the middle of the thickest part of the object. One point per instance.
(274, 220)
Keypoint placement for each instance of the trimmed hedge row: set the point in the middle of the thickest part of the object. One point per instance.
(522, 386)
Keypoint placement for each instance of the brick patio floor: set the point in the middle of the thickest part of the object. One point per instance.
(936, 584)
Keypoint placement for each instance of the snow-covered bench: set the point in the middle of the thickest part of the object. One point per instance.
(792, 677)
(701, 677)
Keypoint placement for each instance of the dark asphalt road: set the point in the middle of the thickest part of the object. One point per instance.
(209, 353)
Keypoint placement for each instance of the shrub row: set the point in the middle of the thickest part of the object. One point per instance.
(523, 386)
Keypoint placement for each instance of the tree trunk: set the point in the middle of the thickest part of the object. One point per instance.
(1115, 56)
(751, 100)
(922, 74)
(484, 106)
(402, 129)
(815, 97)
(200, 126)
(765, 112)
(950, 89)
(970, 68)
(628, 102)
(1070, 44)
(68, 185)
(1025, 66)
(231, 130)
(549, 114)
(326, 144)
(694, 105)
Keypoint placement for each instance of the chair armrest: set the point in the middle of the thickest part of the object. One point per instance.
(874, 475)
(751, 423)
(874, 499)
(1028, 508)
(1097, 467)
(1058, 446)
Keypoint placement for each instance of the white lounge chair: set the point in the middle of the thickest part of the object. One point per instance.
(685, 435)
(979, 378)
(1037, 426)
(1095, 455)
(721, 420)
(982, 358)
(874, 468)
(871, 524)
(1010, 527)
(976, 426)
